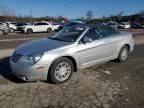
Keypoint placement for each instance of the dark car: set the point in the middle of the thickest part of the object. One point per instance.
(20, 26)
(136, 25)
(142, 25)
(70, 23)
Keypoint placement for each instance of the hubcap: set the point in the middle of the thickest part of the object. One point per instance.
(62, 71)
(124, 54)
(11, 30)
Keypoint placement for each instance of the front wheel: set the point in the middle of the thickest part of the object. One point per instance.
(1, 32)
(61, 70)
(29, 31)
(49, 30)
(11, 30)
(123, 54)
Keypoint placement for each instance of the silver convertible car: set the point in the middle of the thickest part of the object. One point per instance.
(69, 50)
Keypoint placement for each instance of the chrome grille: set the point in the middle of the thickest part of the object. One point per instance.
(15, 57)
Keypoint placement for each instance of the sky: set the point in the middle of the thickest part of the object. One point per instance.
(73, 8)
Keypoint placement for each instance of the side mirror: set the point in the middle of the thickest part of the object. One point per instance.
(86, 39)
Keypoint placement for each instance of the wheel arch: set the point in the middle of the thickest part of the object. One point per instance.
(49, 28)
(69, 57)
(73, 61)
(29, 29)
(127, 46)
(119, 49)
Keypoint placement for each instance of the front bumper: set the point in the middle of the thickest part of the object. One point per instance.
(28, 73)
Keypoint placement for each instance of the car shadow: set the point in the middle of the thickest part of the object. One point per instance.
(5, 71)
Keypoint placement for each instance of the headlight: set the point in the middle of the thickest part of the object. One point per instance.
(31, 59)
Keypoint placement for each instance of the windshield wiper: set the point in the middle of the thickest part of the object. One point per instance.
(60, 39)
(56, 39)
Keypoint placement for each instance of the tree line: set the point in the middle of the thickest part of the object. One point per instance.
(120, 17)
(8, 14)
(31, 19)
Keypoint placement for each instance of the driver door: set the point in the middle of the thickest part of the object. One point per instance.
(95, 50)
(37, 27)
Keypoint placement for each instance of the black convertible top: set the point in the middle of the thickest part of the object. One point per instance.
(89, 25)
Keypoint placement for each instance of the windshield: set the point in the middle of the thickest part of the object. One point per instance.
(68, 34)
(21, 24)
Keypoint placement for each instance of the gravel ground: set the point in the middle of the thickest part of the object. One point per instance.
(109, 85)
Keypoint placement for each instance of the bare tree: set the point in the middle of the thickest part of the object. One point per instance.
(103, 17)
(120, 14)
(89, 15)
(4, 11)
(141, 12)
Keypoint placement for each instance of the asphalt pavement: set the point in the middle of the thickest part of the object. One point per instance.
(15, 39)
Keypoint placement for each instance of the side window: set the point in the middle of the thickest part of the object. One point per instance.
(40, 24)
(105, 31)
(37, 24)
(93, 34)
(44, 24)
(13, 23)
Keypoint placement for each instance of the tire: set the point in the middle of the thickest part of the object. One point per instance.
(1, 32)
(123, 54)
(11, 30)
(29, 31)
(49, 30)
(58, 74)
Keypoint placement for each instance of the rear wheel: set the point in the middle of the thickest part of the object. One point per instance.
(49, 30)
(11, 30)
(1, 32)
(29, 31)
(123, 54)
(61, 70)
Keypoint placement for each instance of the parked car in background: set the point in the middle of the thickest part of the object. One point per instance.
(21, 25)
(38, 27)
(3, 28)
(71, 49)
(136, 25)
(112, 24)
(124, 25)
(56, 26)
(12, 26)
(71, 23)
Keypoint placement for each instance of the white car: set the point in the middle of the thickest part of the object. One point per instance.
(56, 26)
(38, 27)
(112, 24)
(12, 26)
(124, 25)
(3, 28)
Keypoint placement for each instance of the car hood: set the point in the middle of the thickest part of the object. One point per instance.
(41, 46)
